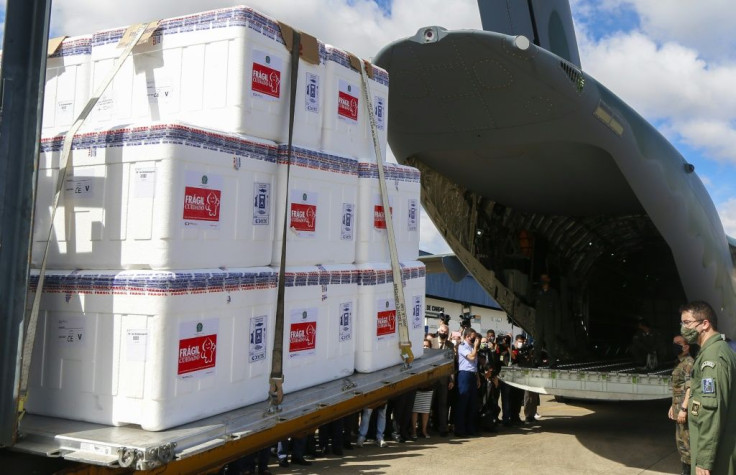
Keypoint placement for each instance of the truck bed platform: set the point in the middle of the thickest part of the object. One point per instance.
(209, 443)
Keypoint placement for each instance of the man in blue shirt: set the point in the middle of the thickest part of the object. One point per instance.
(468, 382)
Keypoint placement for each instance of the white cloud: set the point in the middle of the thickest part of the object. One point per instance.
(704, 26)
(357, 25)
(670, 83)
(727, 211)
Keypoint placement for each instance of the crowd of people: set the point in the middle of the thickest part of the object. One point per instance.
(472, 400)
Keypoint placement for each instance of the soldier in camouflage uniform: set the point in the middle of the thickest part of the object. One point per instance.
(680, 393)
(712, 404)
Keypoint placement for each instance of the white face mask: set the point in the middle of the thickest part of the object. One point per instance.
(519, 344)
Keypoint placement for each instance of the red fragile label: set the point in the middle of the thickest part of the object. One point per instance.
(302, 336)
(266, 80)
(303, 217)
(347, 105)
(379, 217)
(198, 353)
(386, 323)
(201, 204)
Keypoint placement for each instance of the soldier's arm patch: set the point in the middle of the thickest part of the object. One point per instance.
(708, 364)
(709, 386)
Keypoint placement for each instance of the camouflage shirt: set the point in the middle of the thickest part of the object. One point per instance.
(681, 379)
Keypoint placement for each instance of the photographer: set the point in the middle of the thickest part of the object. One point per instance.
(468, 382)
(488, 393)
(513, 398)
(441, 400)
(522, 354)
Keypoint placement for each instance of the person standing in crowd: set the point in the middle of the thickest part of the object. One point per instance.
(547, 321)
(442, 386)
(712, 403)
(401, 409)
(680, 395)
(365, 419)
(647, 345)
(442, 335)
(422, 405)
(298, 448)
(468, 383)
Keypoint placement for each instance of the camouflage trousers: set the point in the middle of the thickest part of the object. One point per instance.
(682, 438)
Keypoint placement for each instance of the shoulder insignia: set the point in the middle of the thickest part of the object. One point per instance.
(709, 364)
(709, 386)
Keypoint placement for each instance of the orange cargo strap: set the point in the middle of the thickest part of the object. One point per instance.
(404, 342)
(276, 381)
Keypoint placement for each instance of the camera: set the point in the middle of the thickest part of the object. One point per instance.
(444, 318)
(464, 321)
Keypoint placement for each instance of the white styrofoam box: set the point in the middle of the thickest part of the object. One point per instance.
(224, 69)
(67, 82)
(323, 193)
(320, 304)
(153, 348)
(378, 81)
(377, 345)
(403, 187)
(159, 196)
(344, 123)
(347, 128)
(309, 106)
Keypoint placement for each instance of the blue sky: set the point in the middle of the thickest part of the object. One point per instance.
(679, 57)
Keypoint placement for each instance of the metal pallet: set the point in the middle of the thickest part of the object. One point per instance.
(210, 442)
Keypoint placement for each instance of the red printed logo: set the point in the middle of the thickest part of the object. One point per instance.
(379, 217)
(201, 204)
(302, 336)
(386, 323)
(347, 106)
(266, 80)
(197, 353)
(303, 217)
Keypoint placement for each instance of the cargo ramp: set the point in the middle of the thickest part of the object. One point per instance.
(609, 380)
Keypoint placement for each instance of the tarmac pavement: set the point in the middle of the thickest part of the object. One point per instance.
(574, 437)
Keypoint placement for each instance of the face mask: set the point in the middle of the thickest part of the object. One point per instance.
(519, 345)
(676, 349)
(443, 336)
(484, 346)
(689, 334)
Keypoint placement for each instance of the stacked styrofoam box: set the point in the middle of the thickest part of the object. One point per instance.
(376, 346)
(67, 83)
(309, 108)
(158, 196)
(403, 188)
(378, 81)
(166, 347)
(347, 127)
(153, 348)
(224, 69)
(322, 197)
(319, 311)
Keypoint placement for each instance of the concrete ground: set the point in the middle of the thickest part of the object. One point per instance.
(572, 437)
